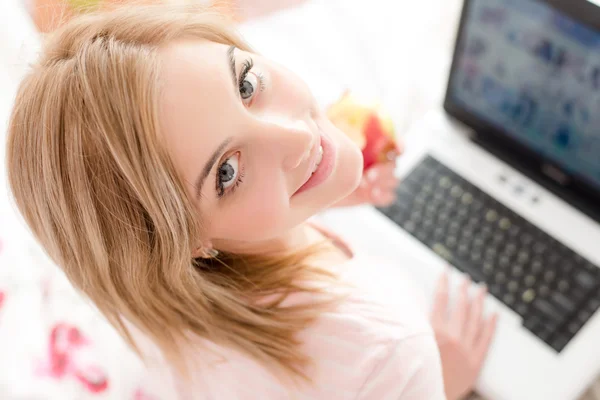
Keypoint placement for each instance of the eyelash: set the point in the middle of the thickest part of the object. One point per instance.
(246, 67)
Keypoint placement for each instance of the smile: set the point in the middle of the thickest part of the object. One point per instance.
(321, 166)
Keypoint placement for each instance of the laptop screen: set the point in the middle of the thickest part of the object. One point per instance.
(535, 74)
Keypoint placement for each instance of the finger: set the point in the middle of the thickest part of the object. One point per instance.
(373, 174)
(485, 339)
(392, 155)
(383, 199)
(440, 302)
(381, 171)
(379, 191)
(388, 183)
(461, 310)
(475, 323)
(388, 168)
(379, 194)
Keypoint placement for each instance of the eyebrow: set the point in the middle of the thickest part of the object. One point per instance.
(209, 165)
(232, 68)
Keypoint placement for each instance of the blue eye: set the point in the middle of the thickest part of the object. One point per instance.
(250, 83)
(228, 173)
(248, 86)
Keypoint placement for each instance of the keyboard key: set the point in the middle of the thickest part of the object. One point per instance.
(522, 309)
(594, 304)
(548, 310)
(533, 323)
(537, 266)
(563, 285)
(497, 290)
(549, 276)
(574, 327)
(443, 251)
(500, 278)
(584, 315)
(509, 299)
(451, 242)
(563, 301)
(585, 279)
(544, 334)
(529, 280)
(511, 248)
(445, 182)
(491, 216)
(539, 248)
(526, 239)
(528, 296)
(456, 191)
(488, 268)
(523, 256)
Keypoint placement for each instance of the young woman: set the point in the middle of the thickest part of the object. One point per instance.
(170, 172)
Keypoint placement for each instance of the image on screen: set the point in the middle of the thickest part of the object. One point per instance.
(534, 73)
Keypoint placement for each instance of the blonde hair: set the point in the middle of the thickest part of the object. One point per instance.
(91, 176)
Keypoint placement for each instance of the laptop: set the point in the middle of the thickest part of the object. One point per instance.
(503, 184)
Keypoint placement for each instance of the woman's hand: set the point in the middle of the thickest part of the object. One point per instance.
(463, 336)
(377, 186)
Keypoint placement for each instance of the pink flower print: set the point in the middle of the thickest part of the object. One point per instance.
(65, 342)
(2, 297)
(64, 339)
(93, 378)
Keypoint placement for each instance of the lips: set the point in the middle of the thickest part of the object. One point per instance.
(321, 165)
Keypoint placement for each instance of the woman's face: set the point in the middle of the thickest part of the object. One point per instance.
(256, 153)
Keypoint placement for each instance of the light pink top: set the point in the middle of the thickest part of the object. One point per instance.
(376, 345)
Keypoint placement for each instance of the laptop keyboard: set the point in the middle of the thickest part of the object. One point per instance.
(551, 287)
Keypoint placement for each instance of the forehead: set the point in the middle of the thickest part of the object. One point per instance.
(197, 92)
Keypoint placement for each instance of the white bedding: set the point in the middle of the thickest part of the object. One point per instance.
(53, 345)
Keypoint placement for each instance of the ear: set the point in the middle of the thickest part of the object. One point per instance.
(204, 250)
(198, 252)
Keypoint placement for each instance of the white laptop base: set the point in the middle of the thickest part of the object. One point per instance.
(520, 366)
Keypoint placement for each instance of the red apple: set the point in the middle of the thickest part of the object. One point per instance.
(368, 125)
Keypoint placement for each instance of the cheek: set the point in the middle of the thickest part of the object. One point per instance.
(259, 212)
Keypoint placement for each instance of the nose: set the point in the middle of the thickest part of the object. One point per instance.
(291, 139)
